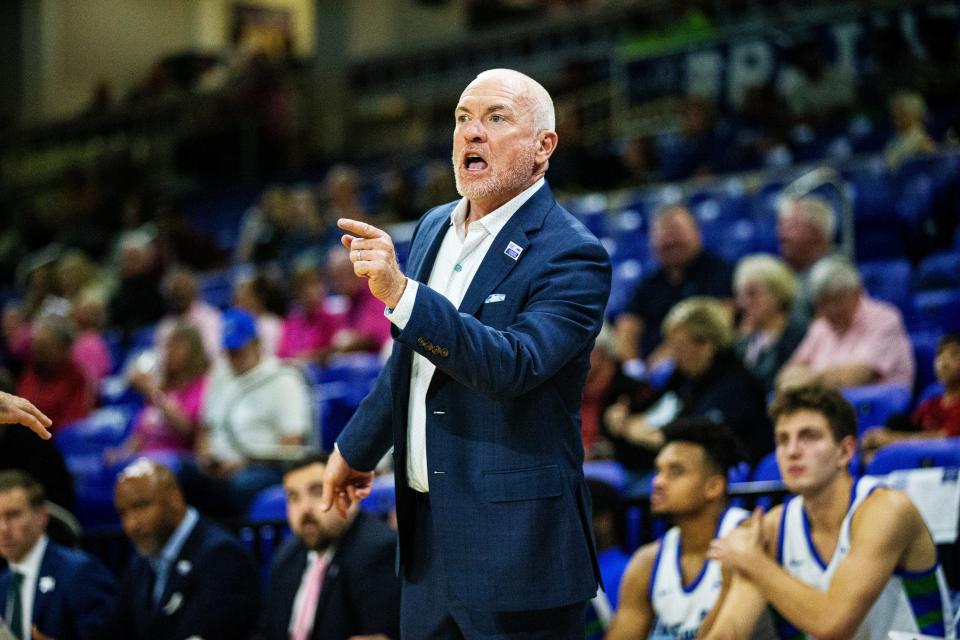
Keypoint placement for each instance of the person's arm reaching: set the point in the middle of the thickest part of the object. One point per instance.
(17, 410)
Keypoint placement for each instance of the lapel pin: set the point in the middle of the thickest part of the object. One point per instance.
(173, 603)
(47, 584)
(513, 250)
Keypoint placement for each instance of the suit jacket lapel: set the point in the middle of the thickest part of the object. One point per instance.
(41, 598)
(497, 264)
(433, 233)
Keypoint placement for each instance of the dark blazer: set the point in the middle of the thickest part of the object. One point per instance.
(211, 592)
(74, 594)
(511, 510)
(361, 592)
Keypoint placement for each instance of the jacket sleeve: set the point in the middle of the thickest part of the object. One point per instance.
(562, 315)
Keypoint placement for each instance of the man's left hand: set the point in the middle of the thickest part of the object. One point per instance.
(741, 548)
(374, 258)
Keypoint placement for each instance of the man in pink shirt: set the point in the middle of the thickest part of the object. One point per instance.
(854, 340)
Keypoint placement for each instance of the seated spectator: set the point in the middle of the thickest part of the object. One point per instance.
(256, 414)
(259, 295)
(684, 269)
(189, 579)
(854, 340)
(334, 578)
(171, 418)
(908, 111)
(263, 227)
(700, 147)
(709, 382)
(136, 301)
(76, 273)
(937, 416)
(52, 380)
(765, 288)
(805, 230)
(182, 293)
(309, 327)
(601, 377)
(90, 350)
(363, 325)
(47, 590)
(816, 93)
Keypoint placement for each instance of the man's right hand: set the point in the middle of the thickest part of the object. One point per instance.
(17, 410)
(343, 485)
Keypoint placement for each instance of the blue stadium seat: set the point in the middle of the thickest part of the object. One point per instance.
(888, 280)
(876, 403)
(608, 471)
(924, 351)
(766, 469)
(382, 498)
(938, 271)
(268, 505)
(937, 310)
(626, 277)
(216, 287)
(915, 455)
(931, 390)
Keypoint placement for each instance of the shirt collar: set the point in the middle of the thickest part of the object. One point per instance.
(30, 565)
(494, 221)
(172, 549)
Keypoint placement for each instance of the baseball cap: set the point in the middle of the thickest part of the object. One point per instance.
(239, 328)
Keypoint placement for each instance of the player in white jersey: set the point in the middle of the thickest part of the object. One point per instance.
(845, 558)
(669, 583)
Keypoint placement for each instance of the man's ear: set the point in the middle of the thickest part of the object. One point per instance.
(848, 449)
(715, 487)
(547, 144)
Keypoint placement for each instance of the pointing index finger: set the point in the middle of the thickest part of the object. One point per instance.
(360, 229)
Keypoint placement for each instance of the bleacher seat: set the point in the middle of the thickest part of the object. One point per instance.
(626, 276)
(876, 403)
(608, 471)
(766, 469)
(938, 271)
(382, 498)
(888, 280)
(916, 454)
(931, 390)
(924, 351)
(269, 505)
(936, 310)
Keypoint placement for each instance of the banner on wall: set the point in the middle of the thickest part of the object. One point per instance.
(725, 71)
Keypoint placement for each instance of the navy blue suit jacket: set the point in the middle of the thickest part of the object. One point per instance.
(360, 594)
(511, 510)
(211, 592)
(74, 594)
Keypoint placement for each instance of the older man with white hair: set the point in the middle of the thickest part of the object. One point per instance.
(806, 227)
(493, 325)
(854, 340)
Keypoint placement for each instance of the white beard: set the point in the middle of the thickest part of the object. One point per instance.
(509, 179)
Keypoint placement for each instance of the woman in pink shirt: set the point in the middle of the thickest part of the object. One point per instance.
(169, 421)
(309, 328)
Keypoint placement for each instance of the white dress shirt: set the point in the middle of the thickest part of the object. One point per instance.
(30, 568)
(460, 255)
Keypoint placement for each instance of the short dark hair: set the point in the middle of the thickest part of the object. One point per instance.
(721, 448)
(17, 479)
(827, 402)
(948, 339)
(312, 456)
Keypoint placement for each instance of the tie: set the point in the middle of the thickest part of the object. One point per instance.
(15, 605)
(312, 583)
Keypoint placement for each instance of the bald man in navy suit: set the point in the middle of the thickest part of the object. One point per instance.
(493, 325)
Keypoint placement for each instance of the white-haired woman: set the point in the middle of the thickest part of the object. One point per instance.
(765, 288)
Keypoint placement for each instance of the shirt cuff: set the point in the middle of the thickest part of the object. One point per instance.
(400, 315)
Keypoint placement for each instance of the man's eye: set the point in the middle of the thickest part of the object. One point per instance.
(496, 118)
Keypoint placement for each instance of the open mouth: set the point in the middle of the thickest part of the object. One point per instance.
(474, 163)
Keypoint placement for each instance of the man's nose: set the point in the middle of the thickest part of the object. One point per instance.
(473, 131)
